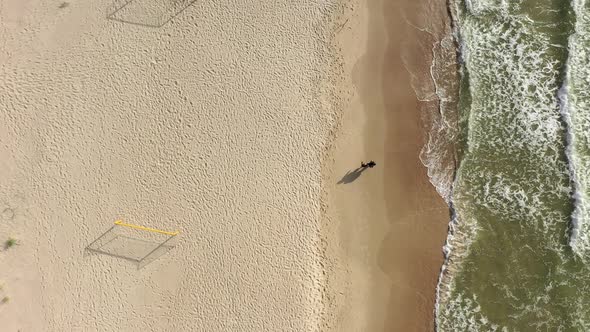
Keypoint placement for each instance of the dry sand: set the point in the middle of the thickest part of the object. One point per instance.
(210, 124)
(214, 119)
(390, 222)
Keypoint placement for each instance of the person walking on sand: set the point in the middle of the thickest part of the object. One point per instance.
(370, 164)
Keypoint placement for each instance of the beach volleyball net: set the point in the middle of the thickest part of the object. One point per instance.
(135, 243)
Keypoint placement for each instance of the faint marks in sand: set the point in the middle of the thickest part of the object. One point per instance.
(147, 13)
(7, 214)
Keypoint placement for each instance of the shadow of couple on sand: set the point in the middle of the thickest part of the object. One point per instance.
(350, 176)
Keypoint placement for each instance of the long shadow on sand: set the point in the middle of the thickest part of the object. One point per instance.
(146, 13)
(351, 176)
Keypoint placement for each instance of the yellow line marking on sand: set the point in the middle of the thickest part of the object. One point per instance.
(120, 223)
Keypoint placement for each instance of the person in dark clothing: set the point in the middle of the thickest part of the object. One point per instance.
(370, 164)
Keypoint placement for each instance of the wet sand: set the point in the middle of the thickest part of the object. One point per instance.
(390, 221)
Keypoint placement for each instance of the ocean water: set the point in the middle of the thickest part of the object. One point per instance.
(518, 250)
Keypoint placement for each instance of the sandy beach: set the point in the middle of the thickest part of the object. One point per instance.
(210, 124)
(232, 123)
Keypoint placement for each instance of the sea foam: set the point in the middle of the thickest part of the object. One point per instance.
(436, 87)
(575, 103)
(512, 178)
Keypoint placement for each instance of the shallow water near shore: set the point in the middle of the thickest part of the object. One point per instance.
(518, 246)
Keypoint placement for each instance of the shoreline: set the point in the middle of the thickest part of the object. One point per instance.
(391, 222)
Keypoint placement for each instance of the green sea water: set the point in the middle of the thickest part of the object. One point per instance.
(518, 257)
